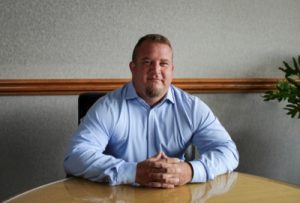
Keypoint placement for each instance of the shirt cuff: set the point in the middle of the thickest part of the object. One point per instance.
(127, 173)
(199, 172)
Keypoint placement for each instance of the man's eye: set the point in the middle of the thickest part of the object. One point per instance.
(147, 62)
(164, 64)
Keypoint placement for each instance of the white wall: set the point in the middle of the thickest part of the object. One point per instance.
(94, 39)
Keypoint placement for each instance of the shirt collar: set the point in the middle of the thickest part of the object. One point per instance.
(131, 93)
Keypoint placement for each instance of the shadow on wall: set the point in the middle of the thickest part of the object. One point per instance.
(272, 157)
(32, 145)
(268, 141)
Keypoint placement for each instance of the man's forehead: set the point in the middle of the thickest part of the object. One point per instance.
(149, 58)
(161, 47)
(153, 43)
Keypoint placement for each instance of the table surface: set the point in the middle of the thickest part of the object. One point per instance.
(232, 187)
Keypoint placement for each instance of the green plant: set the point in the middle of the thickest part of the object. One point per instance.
(288, 89)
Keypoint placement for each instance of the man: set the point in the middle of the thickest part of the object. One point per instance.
(139, 133)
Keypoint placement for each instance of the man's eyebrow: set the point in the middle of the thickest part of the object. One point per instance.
(146, 58)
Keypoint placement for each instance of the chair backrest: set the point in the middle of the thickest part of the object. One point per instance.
(85, 101)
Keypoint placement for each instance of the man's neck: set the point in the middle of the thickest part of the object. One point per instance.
(153, 101)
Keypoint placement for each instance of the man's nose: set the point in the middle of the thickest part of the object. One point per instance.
(155, 67)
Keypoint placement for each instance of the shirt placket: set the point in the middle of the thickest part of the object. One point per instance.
(151, 134)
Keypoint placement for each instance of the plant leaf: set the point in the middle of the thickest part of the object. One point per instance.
(295, 65)
(288, 89)
(299, 59)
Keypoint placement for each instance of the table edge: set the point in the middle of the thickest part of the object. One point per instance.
(36, 188)
(242, 173)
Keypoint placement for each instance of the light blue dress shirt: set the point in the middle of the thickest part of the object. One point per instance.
(121, 129)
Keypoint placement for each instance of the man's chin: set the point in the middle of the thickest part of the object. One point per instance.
(153, 92)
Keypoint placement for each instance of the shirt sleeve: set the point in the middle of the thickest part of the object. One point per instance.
(218, 153)
(85, 157)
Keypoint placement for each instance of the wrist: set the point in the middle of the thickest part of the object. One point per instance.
(191, 170)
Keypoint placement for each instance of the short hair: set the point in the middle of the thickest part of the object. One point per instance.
(152, 38)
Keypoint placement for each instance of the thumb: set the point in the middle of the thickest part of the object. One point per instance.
(171, 160)
(156, 157)
(164, 156)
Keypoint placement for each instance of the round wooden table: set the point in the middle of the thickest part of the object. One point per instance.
(233, 187)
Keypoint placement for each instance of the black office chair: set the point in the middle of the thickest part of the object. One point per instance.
(86, 100)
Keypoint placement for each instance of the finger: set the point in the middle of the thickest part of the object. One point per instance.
(166, 170)
(164, 164)
(164, 156)
(173, 160)
(165, 178)
(156, 157)
(159, 164)
(157, 170)
(167, 159)
(159, 185)
(173, 181)
(173, 170)
(160, 177)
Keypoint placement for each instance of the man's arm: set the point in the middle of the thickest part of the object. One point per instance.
(85, 155)
(218, 153)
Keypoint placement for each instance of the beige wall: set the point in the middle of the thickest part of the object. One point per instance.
(94, 39)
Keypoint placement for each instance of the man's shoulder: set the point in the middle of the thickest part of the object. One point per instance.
(182, 94)
(112, 98)
(189, 104)
(187, 100)
(118, 93)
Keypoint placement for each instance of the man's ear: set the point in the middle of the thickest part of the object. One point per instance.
(132, 66)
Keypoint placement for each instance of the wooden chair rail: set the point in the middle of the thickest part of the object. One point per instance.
(77, 86)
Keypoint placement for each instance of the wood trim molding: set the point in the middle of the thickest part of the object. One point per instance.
(77, 86)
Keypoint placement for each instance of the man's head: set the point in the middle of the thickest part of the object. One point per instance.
(151, 38)
(152, 67)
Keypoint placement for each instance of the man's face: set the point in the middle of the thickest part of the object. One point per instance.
(152, 70)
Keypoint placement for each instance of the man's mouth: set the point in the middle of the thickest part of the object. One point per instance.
(154, 80)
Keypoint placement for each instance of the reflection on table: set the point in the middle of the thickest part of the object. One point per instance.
(232, 187)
